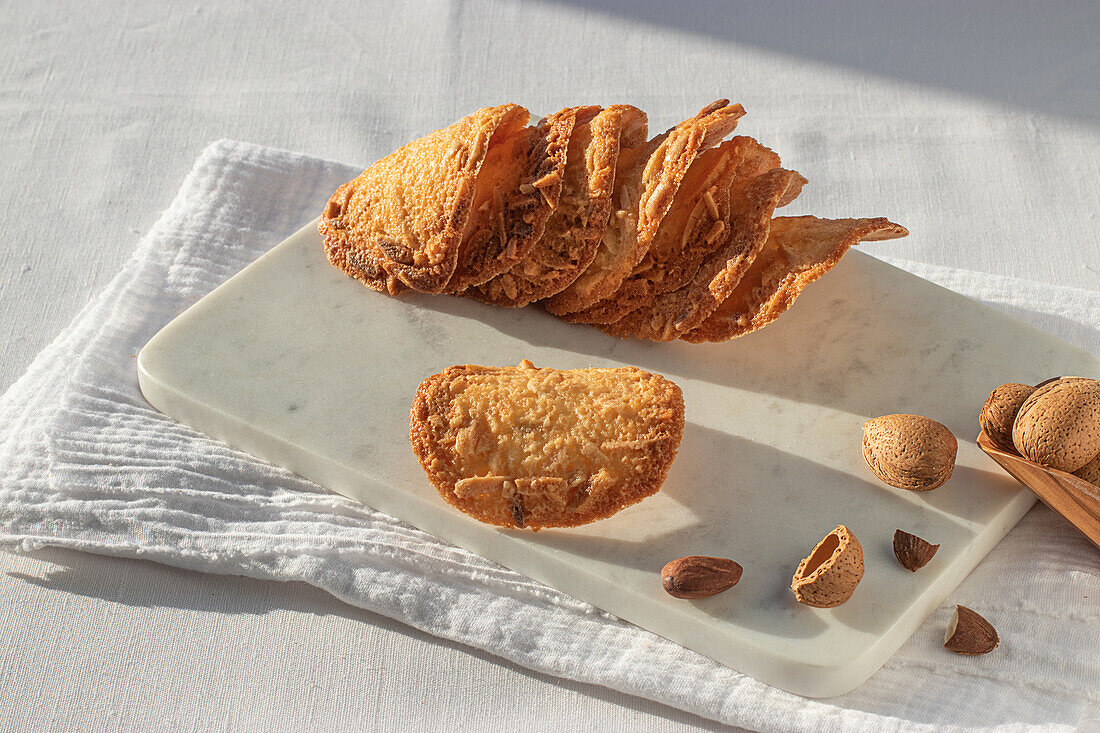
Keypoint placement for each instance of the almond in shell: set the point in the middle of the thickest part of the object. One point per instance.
(1058, 426)
(909, 451)
(999, 413)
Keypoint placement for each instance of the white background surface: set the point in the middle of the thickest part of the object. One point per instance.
(980, 130)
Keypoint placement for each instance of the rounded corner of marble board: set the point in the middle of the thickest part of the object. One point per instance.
(146, 358)
(146, 366)
(832, 678)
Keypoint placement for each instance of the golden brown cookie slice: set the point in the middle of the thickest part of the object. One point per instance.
(574, 229)
(646, 182)
(401, 222)
(516, 193)
(697, 223)
(671, 314)
(799, 250)
(749, 159)
(527, 447)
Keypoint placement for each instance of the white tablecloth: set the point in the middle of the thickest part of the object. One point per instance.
(975, 126)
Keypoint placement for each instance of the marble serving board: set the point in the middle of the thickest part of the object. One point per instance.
(296, 363)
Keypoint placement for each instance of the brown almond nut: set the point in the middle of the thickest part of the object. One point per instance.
(1058, 426)
(999, 413)
(1090, 471)
(911, 551)
(829, 575)
(909, 451)
(969, 633)
(699, 576)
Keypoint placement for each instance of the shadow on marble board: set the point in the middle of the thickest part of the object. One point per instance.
(969, 476)
(1067, 329)
(867, 339)
(757, 363)
(744, 490)
(990, 50)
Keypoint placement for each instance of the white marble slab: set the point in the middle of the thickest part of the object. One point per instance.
(296, 363)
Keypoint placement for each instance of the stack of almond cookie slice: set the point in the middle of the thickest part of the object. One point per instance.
(662, 238)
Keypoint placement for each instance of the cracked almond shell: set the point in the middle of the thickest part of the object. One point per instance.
(909, 451)
(1058, 426)
(828, 576)
(913, 552)
(969, 633)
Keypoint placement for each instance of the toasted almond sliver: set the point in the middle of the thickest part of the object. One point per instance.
(712, 206)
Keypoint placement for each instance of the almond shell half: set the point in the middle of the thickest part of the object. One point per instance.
(969, 633)
(829, 575)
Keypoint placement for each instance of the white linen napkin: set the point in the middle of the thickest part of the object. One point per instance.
(86, 463)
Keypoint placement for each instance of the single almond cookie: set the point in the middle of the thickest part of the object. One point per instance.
(400, 224)
(829, 575)
(575, 228)
(511, 208)
(646, 183)
(528, 447)
(798, 251)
